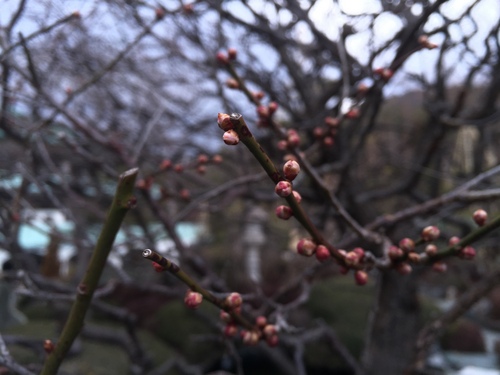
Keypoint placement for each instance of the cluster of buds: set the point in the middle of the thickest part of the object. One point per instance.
(230, 136)
(423, 40)
(265, 113)
(226, 57)
(307, 247)
(193, 299)
(430, 233)
(284, 188)
(384, 73)
(292, 140)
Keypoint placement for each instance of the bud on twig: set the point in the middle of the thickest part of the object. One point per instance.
(284, 212)
(467, 253)
(361, 277)
(291, 169)
(480, 217)
(407, 245)
(322, 253)
(430, 233)
(48, 346)
(283, 188)
(431, 250)
(224, 121)
(233, 301)
(232, 53)
(193, 299)
(231, 138)
(306, 247)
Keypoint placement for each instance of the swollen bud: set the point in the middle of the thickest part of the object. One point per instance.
(230, 330)
(291, 169)
(48, 346)
(232, 53)
(439, 267)
(306, 247)
(284, 212)
(322, 253)
(467, 253)
(224, 121)
(283, 188)
(431, 250)
(430, 233)
(234, 301)
(231, 138)
(193, 299)
(361, 277)
(480, 217)
(222, 58)
(407, 245)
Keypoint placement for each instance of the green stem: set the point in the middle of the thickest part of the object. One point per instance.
(122, 202)
(175, 270)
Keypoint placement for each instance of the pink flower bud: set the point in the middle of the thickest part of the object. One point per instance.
(217, 159)
(284, 212)
(273, 107)
(261, 321)
(283, 188)
(233, 300)
(224, 121)
(185, 195)
(467, 253)
(351, 258)
(430, 233)
(251, 338)
(158, 267)
(231, 138)
(387, 74)
(232, 53)
(232, 83)
(225, 316)
(361, 277)
(282, 145)
(293, 138)
(318, 132)
(165, 164)
(306, 247)
(328, 141)
(431, 250)
(439, 267)
(403, 268)
(262, 111)
(353, 113)
(453, 241)
(193, 299)
(201, 169)
(332, 121)
(179, 168)
(222, 58)
(230, 330)
(291, 169)
(480, 217)
(297, 196)
(48, 346)
(414, 257)
(395, 252)
(360, 252)
(322, 253)
(269, 330)
(407, 245)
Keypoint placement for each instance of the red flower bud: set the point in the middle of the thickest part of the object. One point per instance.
(284, 212)
(297, 196)
(403, 268)
(232, 83)
(353, 113)
(322, 253)
(231, 138)
(291, 169)
(283, 188)
(439, 267)
(407, 245)
(273, 107)
(360, 252)
(272, 341)
(361, 277)
(332, 121)
(224, 121)
(230, 330)
(48, 346)
(480, 217)
(453, 241)
(430, 233)
(351, 258)
(293, 138)
(193, 299)
(414, 257)
(395, 252)
(232, 53)
(217, 159)
(225, 316)
(158, 267)
(306, 247)
(251, 338)
(328, 141)
(165, 164)
(262, 111)
(233, 300)
(282, 145)
(222, 58)
(201, 169)
(467, 253)
(261, 321)
(431, 250)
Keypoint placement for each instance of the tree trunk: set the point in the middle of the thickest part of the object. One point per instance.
(393, 326)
